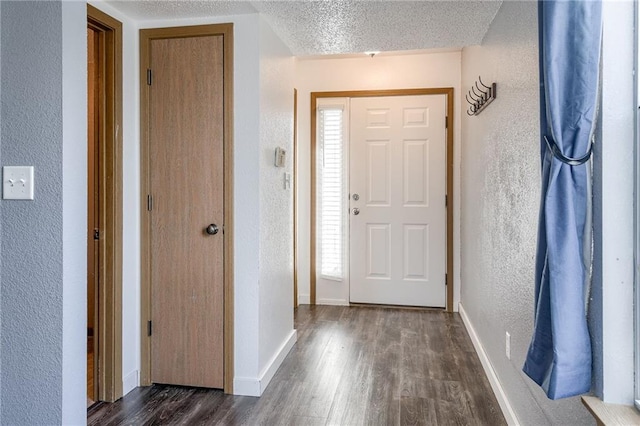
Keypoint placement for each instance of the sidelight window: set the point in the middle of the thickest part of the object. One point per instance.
(331, 157)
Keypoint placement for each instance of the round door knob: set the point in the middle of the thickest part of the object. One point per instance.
(356, 211)
(212, 229)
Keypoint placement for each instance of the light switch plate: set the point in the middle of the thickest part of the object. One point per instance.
(17, 183)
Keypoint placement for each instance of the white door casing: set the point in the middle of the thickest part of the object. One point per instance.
(398, 171)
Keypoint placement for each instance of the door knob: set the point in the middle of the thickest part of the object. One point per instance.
(356, 197)
(356, 211)
(212, 229)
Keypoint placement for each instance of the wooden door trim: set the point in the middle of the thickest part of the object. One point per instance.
(110, 209)
(146, 36)
(448, 91)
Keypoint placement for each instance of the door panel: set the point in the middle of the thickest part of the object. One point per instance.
(398, 162)
(378, 251)
(186, 180)
(416, 176)
(378, 177)
(415, 252)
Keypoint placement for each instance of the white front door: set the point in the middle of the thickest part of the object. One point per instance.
(397, 200)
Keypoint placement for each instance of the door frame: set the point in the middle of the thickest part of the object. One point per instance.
(146, 36)
(448, 91)
(110, 210)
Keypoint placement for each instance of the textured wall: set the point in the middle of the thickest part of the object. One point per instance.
(276, 202)
(31, 239)
(500, 201)
(246, 198)
(43, 254)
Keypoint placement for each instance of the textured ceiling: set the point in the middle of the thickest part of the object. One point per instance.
(147, 10)
(339, 26)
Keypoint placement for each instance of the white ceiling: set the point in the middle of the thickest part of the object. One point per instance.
(313, 28)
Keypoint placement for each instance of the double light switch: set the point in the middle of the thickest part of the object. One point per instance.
(17, 183)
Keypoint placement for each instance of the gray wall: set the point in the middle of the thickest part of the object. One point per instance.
(31, 238)
(500, 171)
(32, 349)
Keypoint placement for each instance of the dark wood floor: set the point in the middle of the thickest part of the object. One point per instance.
(351, 366)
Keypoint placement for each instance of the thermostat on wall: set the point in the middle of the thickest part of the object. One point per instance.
(281, 155)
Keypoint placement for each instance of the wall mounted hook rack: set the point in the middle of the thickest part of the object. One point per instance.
(479, 101)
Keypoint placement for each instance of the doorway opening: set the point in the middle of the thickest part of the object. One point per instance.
(385, 241)
(104, 207)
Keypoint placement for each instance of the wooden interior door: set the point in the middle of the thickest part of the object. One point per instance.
(186, 105)
(398, 216)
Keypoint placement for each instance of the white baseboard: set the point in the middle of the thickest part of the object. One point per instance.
(130, 382)
(304, 299)
(498, 390)
(255, 386)
(272, 366)
(333, 302)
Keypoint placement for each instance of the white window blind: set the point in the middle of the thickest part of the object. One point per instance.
(330, 179)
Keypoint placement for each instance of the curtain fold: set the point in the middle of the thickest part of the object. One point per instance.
(559, 356)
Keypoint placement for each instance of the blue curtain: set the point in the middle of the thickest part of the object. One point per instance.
(559, 356)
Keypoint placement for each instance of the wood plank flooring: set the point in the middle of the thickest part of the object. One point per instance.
(351, 366)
